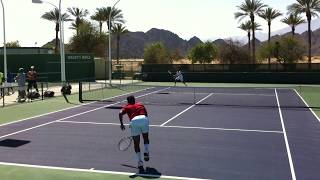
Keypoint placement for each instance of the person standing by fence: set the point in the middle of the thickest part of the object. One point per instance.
(32, 79)
(1, 81)
(21, 80)
(10, 81)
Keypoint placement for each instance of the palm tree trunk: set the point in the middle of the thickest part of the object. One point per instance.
(293, 28)
(100, 27)
(118, 45)
(309, 42)
(56, 45)
(253, 41)
(269, 38)
(249, 45)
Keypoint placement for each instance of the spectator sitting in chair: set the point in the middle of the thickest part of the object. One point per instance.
(32, 79)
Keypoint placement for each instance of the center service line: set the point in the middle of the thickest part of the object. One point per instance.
(185, 110)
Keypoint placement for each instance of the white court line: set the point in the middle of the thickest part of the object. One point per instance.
(243, 94)
(178, 127)
(33, 117)
(97, 171)
(75, 115)
(293, 174)
(315, 115)
(185, 110)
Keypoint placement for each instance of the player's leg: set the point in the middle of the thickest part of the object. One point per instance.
(29, 86)
(145, 135)
(146, 146)
(35, 85)
(136, 142)
(135, 133)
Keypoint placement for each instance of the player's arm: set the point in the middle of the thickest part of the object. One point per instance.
(121, 113)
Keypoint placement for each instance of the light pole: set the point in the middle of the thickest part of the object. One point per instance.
(62, 54)
(110, 60)
(4, 45)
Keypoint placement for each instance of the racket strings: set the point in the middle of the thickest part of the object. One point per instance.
(125, 143)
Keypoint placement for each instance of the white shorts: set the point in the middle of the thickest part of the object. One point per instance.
(139, 125)
(179, 78)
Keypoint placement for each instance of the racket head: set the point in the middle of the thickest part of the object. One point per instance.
(125, 143)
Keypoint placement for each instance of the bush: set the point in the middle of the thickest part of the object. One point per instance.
(286, 50)
(156, 53)
(233, 53)
(203, 53)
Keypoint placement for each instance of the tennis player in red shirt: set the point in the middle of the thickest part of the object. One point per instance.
(139, 124)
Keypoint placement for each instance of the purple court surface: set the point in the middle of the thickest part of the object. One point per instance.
(217, 133)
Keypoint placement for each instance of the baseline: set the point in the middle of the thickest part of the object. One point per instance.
(97, 171)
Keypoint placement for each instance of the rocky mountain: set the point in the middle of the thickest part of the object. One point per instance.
(132, 44)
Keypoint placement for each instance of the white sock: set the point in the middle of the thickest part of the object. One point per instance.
(138, 154)
(146, 148)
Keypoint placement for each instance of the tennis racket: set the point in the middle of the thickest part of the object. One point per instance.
(125, 143)
(170, 72)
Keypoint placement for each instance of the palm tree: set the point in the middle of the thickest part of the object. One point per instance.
(250, 8)
(53, 15)
(293, 20)
(119, 30)
(247, 26)
(310, 8)
(269, 14)
(79, 14)
(116, 16)
(100, 17)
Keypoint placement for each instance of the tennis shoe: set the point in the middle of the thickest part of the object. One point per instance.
(146, 156)
(140, 164)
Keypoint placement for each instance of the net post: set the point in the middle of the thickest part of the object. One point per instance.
(2, 94)
(194, 95)
(80, 92)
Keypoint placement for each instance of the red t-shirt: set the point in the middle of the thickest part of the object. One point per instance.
(134, 110)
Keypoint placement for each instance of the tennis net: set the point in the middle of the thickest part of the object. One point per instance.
(258, 96)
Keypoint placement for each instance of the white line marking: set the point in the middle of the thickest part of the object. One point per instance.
(33, 117)
(243, 94)
(97, 171)
(75, 115)
(185, 110)
(222, 129)
(293, 174)
(315, 115)
(179, 127)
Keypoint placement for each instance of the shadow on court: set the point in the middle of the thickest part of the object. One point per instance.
(13, 143)
(147, 173)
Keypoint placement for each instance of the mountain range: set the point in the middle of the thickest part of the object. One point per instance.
(132, 44)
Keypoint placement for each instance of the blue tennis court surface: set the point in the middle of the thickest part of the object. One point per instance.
(223, 134)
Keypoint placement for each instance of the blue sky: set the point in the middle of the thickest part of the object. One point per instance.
(206, 19)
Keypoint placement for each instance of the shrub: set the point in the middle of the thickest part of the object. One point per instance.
(203, 53)
(233, 53)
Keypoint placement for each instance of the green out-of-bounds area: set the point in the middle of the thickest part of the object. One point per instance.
(11, 113)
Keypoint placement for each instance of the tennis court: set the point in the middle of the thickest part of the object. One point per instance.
(201, 133)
